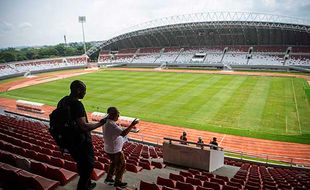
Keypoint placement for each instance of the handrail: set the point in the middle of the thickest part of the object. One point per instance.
(202, 145)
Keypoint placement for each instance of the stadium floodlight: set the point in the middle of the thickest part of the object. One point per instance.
(82, 19)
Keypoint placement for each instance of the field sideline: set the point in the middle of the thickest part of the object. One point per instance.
(256, 106)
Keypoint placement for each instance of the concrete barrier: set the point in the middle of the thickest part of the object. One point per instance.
(192, 156)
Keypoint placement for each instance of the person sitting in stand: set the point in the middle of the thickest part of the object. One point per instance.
(183, 138)
(200, 142)
(213, 144)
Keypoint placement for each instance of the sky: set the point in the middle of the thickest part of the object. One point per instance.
(45, 22)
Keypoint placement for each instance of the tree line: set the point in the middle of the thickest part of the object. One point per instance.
(31, 53)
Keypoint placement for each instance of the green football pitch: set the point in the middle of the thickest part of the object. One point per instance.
(274, 108)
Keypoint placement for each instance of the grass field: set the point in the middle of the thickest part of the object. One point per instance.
(263, 107)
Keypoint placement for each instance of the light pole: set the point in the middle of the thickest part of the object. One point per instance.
(82, 19)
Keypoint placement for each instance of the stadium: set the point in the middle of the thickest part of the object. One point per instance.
(241, 77)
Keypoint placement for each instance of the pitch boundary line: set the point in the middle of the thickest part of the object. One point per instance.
(296, 107)
(222, 139)
(286, 124)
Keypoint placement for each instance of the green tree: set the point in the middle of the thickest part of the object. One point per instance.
(8, 56)
(21, 57)
(30, 54)
(61, 49)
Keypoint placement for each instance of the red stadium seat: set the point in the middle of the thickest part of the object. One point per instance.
(146, 165)
(213, 185)
(29, 180)
(167, 188)
(22, 163)
(43, 158)
(271, 187)
(186, 174)
(165, 182)
(224, 178)
(234, 184)
(67, 157)
(59, 174)
(9, 174)
(203, 188)
(104, 160)
(20, 151)
(254, 184)
(227, 187)
(57, 162)
(153, 153)
(97, 174)
(158, 164)
(148, 186)
(38, 168)
(250, 187)
(236, 180)
(132, 162)
(8, 158)
(194, 172)
(194, 181)
(31, 154)
(71, 166)
(201, 177)
(176, 177)
(184, 186)
(98, 165)
(46, 151)
(218, 181)
(209, 175)
(57, 154)
(133, 168)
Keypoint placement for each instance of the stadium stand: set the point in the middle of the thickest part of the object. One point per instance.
(262, 55)
(28, 152)
(104, 57)
(29, 156)
(173, 41)
(42, 65)
(30, 140)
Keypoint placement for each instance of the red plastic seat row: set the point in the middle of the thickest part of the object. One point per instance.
(59, 174)
(10, 175)
(146, 165)
(171, 184)
(133, 168)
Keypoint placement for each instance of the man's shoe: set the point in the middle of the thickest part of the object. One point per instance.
(92, 185)
(120, 184)
(109, 181)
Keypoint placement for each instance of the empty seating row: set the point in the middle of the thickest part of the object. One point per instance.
(42, 64)
(22, 137)
(10, 175)
(46, 159)
(163, 183)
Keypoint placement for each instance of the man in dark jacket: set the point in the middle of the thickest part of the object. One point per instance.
(81, 149)
(214, 144)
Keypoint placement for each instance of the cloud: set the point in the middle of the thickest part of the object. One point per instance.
(50, 20)
(303, 11)
(24, 26)
(5, 26)
(284, 7)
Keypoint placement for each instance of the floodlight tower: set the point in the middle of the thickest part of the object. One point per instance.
(82, 19)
